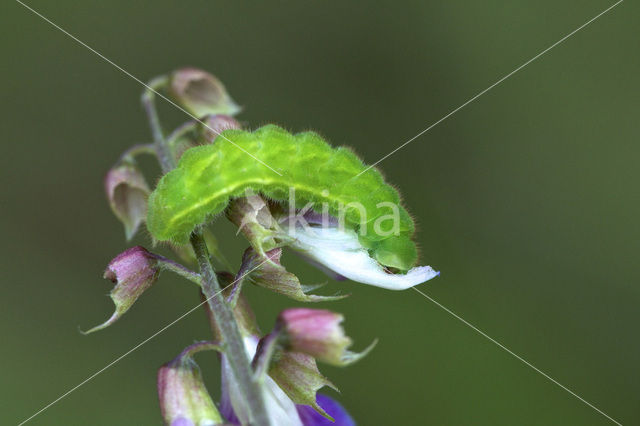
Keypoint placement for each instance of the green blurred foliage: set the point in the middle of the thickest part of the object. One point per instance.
(526, 199)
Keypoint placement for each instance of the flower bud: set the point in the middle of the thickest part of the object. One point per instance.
(253, 218)
(133, 271)
(212, 125)
(184, 399)
(201, 93)
(318, 333)
(127, 192)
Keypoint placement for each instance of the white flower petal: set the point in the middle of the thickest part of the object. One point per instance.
(341, 252)
(281, 410)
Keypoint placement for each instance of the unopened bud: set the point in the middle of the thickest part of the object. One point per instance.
(184, 399)
(127, 192)
(133, 271)
(253, 218)
(318, 333)
(201, 93)
(212, 125)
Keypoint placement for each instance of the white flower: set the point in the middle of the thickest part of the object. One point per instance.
(280, 409)
(340, 251)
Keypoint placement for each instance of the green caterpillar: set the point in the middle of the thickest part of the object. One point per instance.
(207, 177)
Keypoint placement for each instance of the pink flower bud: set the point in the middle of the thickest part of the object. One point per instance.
(318, 333)
(133, 271)
(127, 192)
(201, 93)
(184, 399)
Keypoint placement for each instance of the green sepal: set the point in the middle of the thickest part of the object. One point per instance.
(298, 376)
(266, 271)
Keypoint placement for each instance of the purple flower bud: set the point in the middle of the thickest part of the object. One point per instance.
(127, 192)
(133, 271)
(201, 93)
(213, 125)
(318, 333)
(184, 399)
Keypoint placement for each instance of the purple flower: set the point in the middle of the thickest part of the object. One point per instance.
(311, 417)
(281, 409)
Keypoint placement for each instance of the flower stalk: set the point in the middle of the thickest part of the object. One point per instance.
(148, 102)
(142, 148)
(231, 338)
(175, 267)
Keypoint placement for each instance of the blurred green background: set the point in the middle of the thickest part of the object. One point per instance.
(527, 199)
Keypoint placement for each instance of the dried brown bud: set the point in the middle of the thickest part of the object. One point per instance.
(201, 93)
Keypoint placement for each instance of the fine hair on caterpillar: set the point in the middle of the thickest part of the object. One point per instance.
(314, 214)
(332, 180)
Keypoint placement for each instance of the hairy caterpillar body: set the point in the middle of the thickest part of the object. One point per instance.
(207, 177)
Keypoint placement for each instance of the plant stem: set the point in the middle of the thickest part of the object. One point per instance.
(232, 339)
(131, 153)
(234, 344)
(173, 266)
(148, 97)
(180, 131)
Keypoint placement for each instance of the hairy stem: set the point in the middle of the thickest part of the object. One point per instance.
(233, 342)
(148, 97)
(173, 266)
(235, 352)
